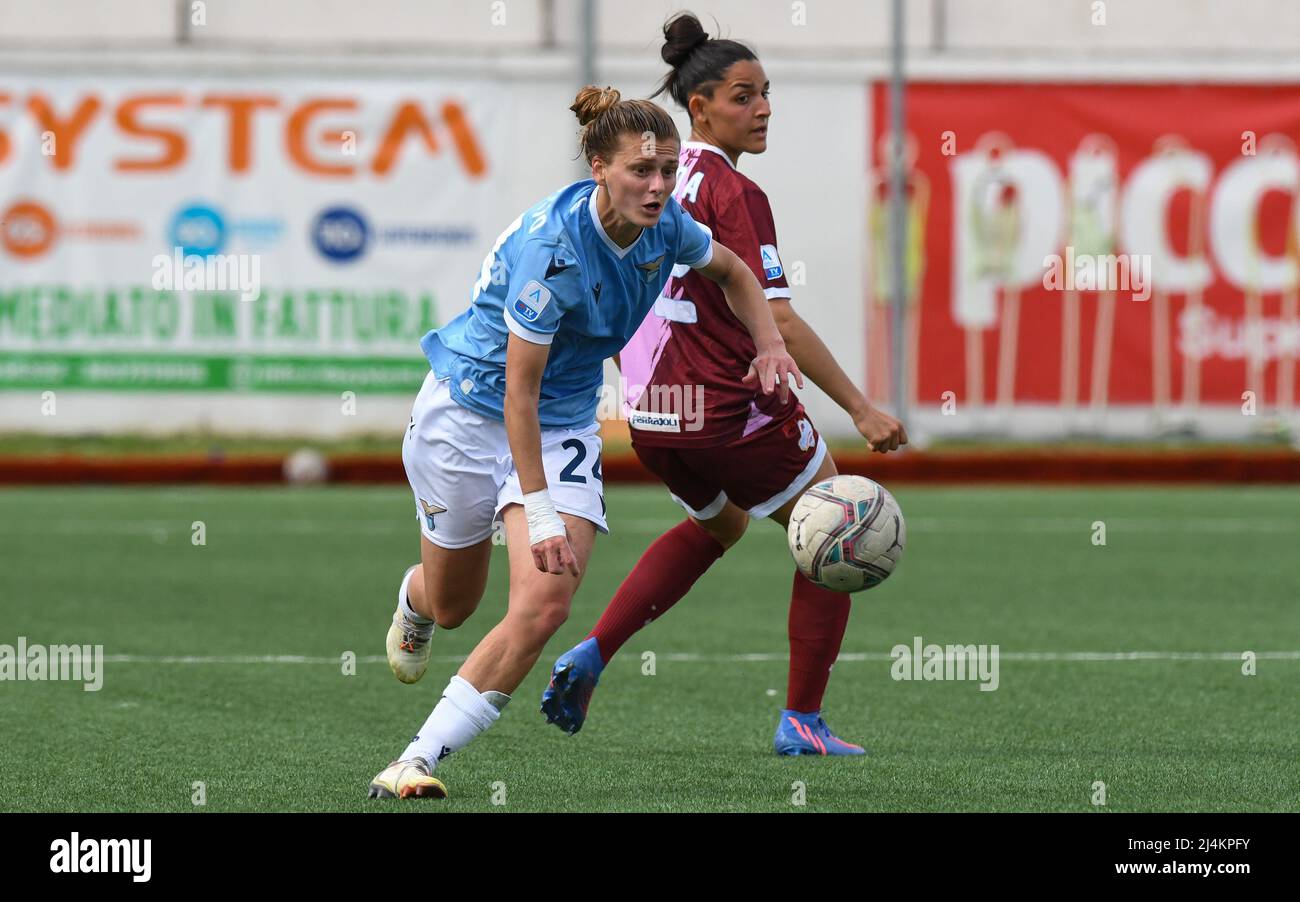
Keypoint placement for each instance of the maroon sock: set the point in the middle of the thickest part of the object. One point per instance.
(665, 573)
(818, 618)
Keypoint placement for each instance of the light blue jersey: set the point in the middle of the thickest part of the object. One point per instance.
(554, 277)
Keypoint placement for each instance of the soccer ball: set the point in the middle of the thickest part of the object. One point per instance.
(306, 466)
(847, 533)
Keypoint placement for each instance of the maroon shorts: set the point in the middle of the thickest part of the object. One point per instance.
(759, 472)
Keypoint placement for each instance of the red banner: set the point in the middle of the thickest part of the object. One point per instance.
(1094, 245)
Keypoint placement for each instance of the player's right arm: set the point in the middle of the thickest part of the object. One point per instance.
(533, 309)
(525, 363)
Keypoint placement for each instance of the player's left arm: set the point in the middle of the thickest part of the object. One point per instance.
(882, 432)
(773, 366)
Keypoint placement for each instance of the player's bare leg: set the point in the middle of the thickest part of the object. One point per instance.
(475, 697)
(449, 583)
(443, 590)
(539, 605)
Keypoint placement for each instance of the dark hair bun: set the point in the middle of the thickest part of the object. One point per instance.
(682, 35)
(698, 62)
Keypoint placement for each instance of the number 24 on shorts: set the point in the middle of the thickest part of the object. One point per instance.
(570, 472)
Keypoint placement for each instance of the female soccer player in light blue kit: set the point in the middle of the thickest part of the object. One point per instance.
(505, 424)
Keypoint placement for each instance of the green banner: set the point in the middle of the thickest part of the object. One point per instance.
(137, 339)
(179, 372)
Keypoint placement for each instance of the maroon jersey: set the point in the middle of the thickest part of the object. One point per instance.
(684, 365)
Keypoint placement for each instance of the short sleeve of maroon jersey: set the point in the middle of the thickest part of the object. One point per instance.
(748, 229)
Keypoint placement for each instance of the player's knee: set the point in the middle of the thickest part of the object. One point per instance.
(452, 612)
(546, 611)
(448, 619)
(551, 617)
(726, 529)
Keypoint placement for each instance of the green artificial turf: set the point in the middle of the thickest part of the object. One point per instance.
(313, 573)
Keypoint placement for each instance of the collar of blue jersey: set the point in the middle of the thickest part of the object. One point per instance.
(619, 252)
(700, 145)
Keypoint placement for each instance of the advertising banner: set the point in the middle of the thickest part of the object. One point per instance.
(1093, 248)
(269, 234)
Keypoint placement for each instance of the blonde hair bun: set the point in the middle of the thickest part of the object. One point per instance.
(592, 101)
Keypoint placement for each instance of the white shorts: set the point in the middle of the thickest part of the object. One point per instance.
(461, 471)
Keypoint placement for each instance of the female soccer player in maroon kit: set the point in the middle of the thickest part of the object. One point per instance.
(726, 451)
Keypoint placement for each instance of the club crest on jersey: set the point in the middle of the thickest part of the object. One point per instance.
(771, 262)
(530, 302)
(429, 511)
(651, 269)
(806, 438)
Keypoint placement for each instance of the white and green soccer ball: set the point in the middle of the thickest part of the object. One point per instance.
(847, 533)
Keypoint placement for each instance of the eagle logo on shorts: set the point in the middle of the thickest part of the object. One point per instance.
(806, 438)
(429, 511)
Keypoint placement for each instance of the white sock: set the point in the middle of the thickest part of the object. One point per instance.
(404, 601)
(461, 714)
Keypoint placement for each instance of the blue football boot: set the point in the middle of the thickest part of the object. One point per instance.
(807, 734)
(573, 679)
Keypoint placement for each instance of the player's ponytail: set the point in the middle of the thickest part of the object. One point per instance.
(698, 62)
(605, 118)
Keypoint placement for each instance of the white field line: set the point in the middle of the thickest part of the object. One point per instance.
(691, 658)
(401, 526)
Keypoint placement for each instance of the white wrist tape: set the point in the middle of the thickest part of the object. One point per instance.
(543, 521)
